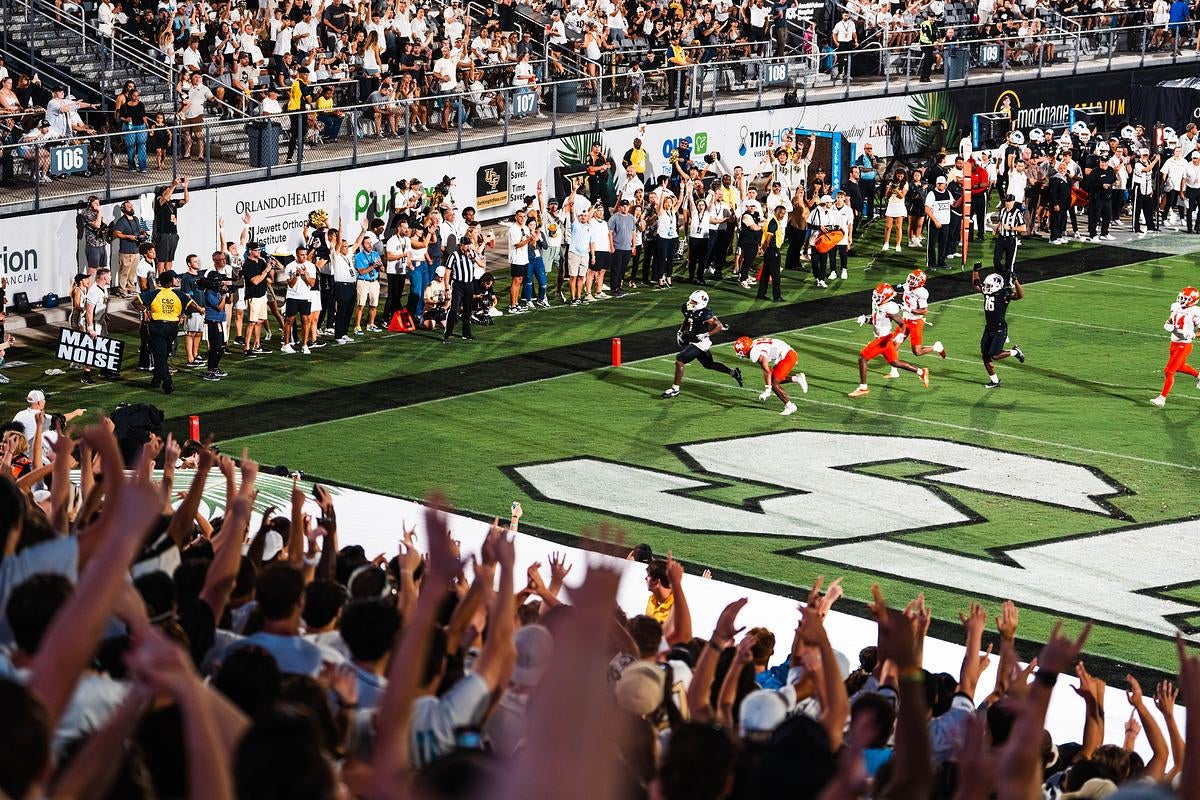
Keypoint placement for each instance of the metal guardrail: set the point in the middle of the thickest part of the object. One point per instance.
(639, 96)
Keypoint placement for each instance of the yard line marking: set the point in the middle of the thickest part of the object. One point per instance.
(1061, 321)
(926, 421)
(1154, 289)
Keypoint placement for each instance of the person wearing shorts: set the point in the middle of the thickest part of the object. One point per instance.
(579, 254)
(518, 259)
(366, 268)
(777, 359)
(255, 273)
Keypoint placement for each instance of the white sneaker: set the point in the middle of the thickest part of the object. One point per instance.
(287, 348)
(305, 350)
(495, 312)
(1094, 239)
(788, 410)
(1159, 401)
(1108, 237)
(885, 247)
(845, 275)
(895, 373)
(823, 284)
(344, 340)
(897, 248)
(802, 380)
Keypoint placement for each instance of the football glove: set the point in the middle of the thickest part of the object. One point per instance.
(765, 393)
(898, 338)
(862, 319)
(1169, 326)
(679, 338)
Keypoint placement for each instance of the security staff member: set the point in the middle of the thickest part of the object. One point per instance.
(928, 36)
(162, 308)
(770, 248)
(1100, 179)
(1009, 223)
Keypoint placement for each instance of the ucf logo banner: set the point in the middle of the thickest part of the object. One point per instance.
(491, 185)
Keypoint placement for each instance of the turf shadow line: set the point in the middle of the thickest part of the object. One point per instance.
(328, 405)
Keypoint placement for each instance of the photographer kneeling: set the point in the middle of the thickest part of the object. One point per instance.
(216, 289)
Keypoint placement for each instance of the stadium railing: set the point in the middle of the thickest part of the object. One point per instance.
(621, 98)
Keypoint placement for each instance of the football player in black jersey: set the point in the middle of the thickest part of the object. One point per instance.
(996, 297)
(695, 337)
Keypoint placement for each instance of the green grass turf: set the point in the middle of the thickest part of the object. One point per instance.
(379, 356)
(1096, 349)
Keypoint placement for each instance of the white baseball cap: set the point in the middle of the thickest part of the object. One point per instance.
(35, 396)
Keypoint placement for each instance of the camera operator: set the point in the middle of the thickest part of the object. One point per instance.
(130, 231)
(216, 288)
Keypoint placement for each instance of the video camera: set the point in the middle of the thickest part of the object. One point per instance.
(215, 283)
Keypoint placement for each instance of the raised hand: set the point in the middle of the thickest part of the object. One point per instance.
(1134, 693)
(1006, 623)
(559, 568)
(724, 632)
(1164, 697)
(1060, 652)
(674, 570)
(1090, 687)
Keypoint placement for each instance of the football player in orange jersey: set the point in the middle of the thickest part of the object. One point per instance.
(884, 314)
(915, 307)
(777, 358)
(1182, 324)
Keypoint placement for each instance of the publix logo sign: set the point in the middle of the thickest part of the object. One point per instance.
(699, 142)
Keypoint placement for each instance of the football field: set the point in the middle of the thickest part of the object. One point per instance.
(1064, 489)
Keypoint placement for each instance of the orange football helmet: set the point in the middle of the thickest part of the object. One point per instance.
(1188, 296)
(883, 293)
(916, 279)
(742, 346)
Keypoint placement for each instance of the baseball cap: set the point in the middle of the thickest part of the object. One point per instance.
(940, 179)
(254, 246)
(440, 272)
(762, 711)
(1008, 198)
(1145, 151)
(271, 548)
(35, 396)
(535, 647)
(826, 198)
(553, 201)
(1195, 154)
(640, 689)
(44, 123)
(1092, 789)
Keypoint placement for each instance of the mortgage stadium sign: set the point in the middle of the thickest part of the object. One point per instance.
(101, 352)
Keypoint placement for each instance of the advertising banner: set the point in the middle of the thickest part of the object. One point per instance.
(38, 254)
(101, 352)
(274, 212)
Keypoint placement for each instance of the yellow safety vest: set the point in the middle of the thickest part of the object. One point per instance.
(165, 306)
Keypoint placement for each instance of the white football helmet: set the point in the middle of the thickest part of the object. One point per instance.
(1172, 140)
(697, 300)
(1128, 132)
(993, 283)
(1169, 132)
(1017, 138)
(1079, 128)
(1102, 148)
(1036, 136)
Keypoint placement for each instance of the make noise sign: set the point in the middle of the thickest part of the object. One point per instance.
(101, 352)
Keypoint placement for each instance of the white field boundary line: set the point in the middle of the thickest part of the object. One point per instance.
(952, 304)
(825, 326)
(797, 397)
(1127, 286)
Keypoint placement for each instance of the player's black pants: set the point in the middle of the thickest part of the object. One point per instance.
(1172, 202)
(770, 274)
(1143, 211)
(692, 353)
(939, 243)
(216, 344)
(1099, 211)
(161, 336)
(145, 358)
(1074, 218)
(749, 250)
(460, 306)
(795, 244)
(395, 298)
(1004, 257)
(620, 262)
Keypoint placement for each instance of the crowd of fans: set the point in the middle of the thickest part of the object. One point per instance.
(150, 650)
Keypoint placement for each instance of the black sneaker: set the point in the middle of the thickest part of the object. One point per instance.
(737, 376)
(1017, 354)
(87, 378)
(212, 376)
(220, 373)
(991, 385)
(672, 392)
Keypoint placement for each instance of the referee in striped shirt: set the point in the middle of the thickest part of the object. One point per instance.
(1009, 223)
(461, 264)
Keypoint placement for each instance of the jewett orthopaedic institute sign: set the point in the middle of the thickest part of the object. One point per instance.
(101, 352)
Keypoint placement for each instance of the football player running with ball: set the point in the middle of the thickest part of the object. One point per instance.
(915, 303)
(884, 313)
(996, 297)
(777, 358)
(1182, 325)
(695, 337)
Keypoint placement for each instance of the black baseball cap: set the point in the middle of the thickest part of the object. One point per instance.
(254, 246)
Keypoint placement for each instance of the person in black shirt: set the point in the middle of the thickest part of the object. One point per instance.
(254, 272)
(462, 263)
(335, 20)
(996, 297)
(166, 223)
(1101, 178)
(770, 249)
(694, 336)
(1009, 222)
